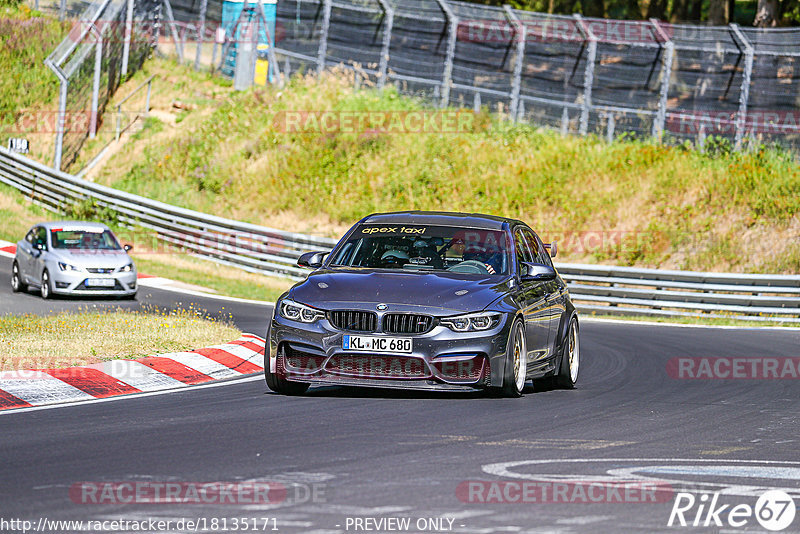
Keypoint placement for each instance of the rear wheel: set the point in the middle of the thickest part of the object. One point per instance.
(46, 289)
(516, 362)
(570, 358)
(16, 279)
(275, 382)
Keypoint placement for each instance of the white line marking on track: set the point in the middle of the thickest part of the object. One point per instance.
(679, 325)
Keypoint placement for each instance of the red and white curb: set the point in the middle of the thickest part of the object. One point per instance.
(37, 387)
(7, 249)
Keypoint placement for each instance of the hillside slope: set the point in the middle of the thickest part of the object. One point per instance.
(629, 202)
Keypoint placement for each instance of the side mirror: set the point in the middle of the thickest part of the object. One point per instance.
(127, 248)
(311, 260)
(536, 271)
(40, 246)
(552, 247)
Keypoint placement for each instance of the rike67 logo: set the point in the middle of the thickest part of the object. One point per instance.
(774, 510)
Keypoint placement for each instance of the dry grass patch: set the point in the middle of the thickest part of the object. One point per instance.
(69, 339)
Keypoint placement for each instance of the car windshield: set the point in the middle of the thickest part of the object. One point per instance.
(84, 239)
(426, 248)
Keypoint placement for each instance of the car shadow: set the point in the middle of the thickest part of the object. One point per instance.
(363, 392)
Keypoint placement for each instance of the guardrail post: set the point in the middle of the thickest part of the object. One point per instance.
(588, 75)
(612, 124)
(173, 30)
(521, 36)
(98, 67)
(62, 112)
(387, 41)
(126, 44)
(200, 34)
(452, 35)
(744, 93)
(668, 51)
(323, 38)
(147, 100)
(62, 10)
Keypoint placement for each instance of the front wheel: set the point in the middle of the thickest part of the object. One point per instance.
(275, 382)
(516, 362)
(16, 279)
(46, 289)
(570, 358)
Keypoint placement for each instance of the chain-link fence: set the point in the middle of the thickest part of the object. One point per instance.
(574, 74)
(108, 41)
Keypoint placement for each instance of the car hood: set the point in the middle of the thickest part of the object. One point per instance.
(92, 258)
(399, 290)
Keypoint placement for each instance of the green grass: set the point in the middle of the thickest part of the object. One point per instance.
(26, 38)
(686, 209)
(67, 339)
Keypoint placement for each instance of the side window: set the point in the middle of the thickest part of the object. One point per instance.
(541, 254)
(31, 235)
(41, 236)
(523, 250)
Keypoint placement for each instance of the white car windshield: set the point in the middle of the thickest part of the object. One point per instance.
(426, 248)
(84, 239)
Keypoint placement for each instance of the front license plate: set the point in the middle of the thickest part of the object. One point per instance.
(100, 282)
(392, 345)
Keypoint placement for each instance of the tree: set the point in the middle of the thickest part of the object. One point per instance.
(766, 14)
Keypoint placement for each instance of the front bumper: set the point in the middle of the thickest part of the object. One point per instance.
(81, 283)
(441, 359)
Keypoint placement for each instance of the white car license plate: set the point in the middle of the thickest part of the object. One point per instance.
(392, 345)
(100, 282)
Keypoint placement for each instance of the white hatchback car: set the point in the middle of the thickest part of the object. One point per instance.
(73, 258)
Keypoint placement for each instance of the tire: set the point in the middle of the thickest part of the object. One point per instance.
(516, 355)
(47, 291)
(570, 358)
(278, 384)
(16, 279)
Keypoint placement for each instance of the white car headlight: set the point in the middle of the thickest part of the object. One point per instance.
(128, 268)
(472, 322)
(299, 312)
(67, 267)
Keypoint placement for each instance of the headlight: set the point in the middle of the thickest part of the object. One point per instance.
(67, 267)
(299, 312)
(472, 322)
(128, 268)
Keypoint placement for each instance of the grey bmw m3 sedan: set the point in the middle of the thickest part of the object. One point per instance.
(426, 300)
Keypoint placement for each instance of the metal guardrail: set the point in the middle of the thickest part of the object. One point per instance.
(597, 289)
(247, 246)
(604, 289)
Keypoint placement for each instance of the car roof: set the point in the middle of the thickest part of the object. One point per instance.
(68, 224)
(440, 218)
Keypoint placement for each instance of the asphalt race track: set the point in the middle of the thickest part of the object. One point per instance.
(344, 460)
(249, 317)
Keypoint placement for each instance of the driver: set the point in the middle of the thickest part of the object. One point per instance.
(489, 256)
